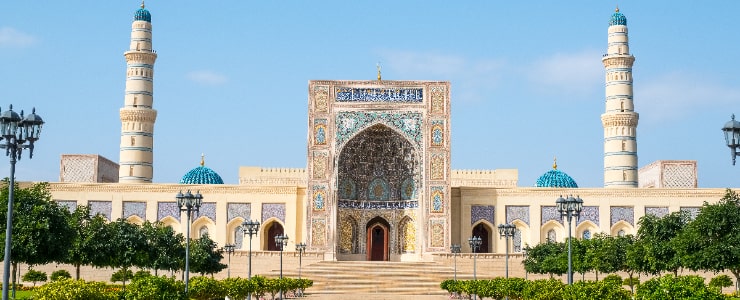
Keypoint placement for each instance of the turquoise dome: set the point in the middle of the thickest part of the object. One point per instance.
(555, 179)
(618, 19)
(202, 175)
(143, 14)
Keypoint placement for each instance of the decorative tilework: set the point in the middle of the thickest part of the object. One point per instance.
(378, 204)
(347, 189)
(517, 213)
(347, 235)
(482, 212)
(101, 207)
(622, 213)
(408, 189)
(550, 213)
(321, 97)
(516, 241)
(276, 210)
(408, 235)
(378, 190)
(437, 233)
(318, 232)
(438, 166)
(586, 234)
(319, 165)
(438, 99)
(238, 237)
(411, 95)
(437, 199)
(168, 209)
(134, 209)
(319, 197)
(238, 210)
(656, 211)
(589, 213)
(437, 132)
(207, 209)
(70, 205)
(692, 211)
(319, 131)
(348, 123)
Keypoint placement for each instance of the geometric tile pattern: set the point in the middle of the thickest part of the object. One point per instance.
(658, 211)
(238, 210)
(482, 212)
(276, 210)
(410, 95)
(517, 213)
(101, 207)
(131, 208)
(679, 176)
(589, 213)
(622, 213)
(550, 213)
(70, 205)
(208, 210)
(692, 211)
(168, 209)
(408, 123)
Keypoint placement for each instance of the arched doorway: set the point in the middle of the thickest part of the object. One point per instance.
(378, 231)
(275, 229)
(481, 230)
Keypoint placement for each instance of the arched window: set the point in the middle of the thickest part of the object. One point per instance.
(517, 241)
(621, 233)
(203, 231)
(238, 237)
(552, 236)
(587, 234)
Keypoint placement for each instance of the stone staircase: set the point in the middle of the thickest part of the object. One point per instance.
(365, 277)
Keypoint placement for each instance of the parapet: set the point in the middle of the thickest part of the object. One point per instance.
(257, 176)
(502, 178)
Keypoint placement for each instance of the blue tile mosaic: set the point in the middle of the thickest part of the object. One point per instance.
(617, 19)
(555, 179)
(550, 213)
(71, 205)
(348, 94)
(514, 213)
(101, 207)
(270, 210)
(437, 198)
(319, 131)
(238, 237)
(589, 213)
(134, 209)
(622, 213)
(378, 204)
(437, 132)
(656, 211)
(207, 209)
(378, 190)
(238, 210)
(482, 212)
(350, 122)
(408, 189)
(347, 189)
(693, 211)
(516, 241)
(168, 209)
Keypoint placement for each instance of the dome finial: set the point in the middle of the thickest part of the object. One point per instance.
(142, 3)
(555, 163)
(378, 66)
(202, 159)
(617, 10)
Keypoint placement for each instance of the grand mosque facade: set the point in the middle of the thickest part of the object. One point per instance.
(378, 183)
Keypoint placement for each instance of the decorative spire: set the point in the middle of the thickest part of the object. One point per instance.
(142, 4)
(378, 66)
(617, 10)
(555, 163)
(202, 159)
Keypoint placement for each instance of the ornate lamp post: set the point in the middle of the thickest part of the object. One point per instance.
(300, 247)
(506, 231)
(188, 203)
(569, 207)
(281, 240)
(524, 255)
(475, 243)
(732, 137)
(455, 249)
(250, 228)
(229, 248)
(15, 131)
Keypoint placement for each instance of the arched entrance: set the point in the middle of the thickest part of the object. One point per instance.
(481, 230)
(274, 229)
(378, 231)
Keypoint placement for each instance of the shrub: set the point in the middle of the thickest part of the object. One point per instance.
(205, 288)
(596, 290)
(69, 289)
(238, 288)
(690, 287)
(155, 288)
(34, 276)
(721, 281)
(59, 275)
(613, 279)
(543, 289)
(122, 275)
(141, 274)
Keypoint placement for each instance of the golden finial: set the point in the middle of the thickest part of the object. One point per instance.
(617, 10)
(378, 66)
(142, 3)
(555, 163)
(202, 159)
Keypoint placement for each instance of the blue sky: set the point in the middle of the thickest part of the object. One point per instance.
(231, 78)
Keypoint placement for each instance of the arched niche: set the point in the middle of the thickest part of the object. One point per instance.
(269, 229)
(484, 230)
(549, 227)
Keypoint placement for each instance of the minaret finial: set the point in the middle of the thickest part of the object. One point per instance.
(202, 159)
(555, 163)
(617, 10)
(142, 3)
(378, 66)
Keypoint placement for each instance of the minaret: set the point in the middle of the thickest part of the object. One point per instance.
(620, 118)
(137, 115)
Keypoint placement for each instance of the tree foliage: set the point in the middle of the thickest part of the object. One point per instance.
(165, 248)
(205, 256)
(547, 258)
(34, 276)
(655, 236)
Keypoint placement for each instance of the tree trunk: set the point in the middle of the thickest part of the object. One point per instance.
(15, 271)
(77, 271)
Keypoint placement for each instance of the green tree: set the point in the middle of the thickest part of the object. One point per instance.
(119, 244)
(83, 246)
(547, 258)
(710, 242)
(34, 276)
(604, 254)
(166, 249)
(205, 256)
(59, 275)
(655, 235)
(122, 275)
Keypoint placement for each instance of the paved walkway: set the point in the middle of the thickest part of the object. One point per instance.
(375, 297)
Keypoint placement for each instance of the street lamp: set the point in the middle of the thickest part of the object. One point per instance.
(281, 240)
(250, 228)
(188, 203)
(732, 137)
(475, 243)
(506, 231)
(455, 249)
(300, 247)
(229, 248)
(16, 131)
(524, 255)
(569, 207)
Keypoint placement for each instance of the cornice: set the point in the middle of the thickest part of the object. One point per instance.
(143, 56)
(618, 61)
(620, 119)
(600, 192)
(138, 115)
(170, 188)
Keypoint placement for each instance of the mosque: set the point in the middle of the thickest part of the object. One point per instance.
(378, 184)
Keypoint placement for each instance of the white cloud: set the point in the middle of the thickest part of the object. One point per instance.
(675, 95)
(206, 77)
(10, 37)
(578, 73)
